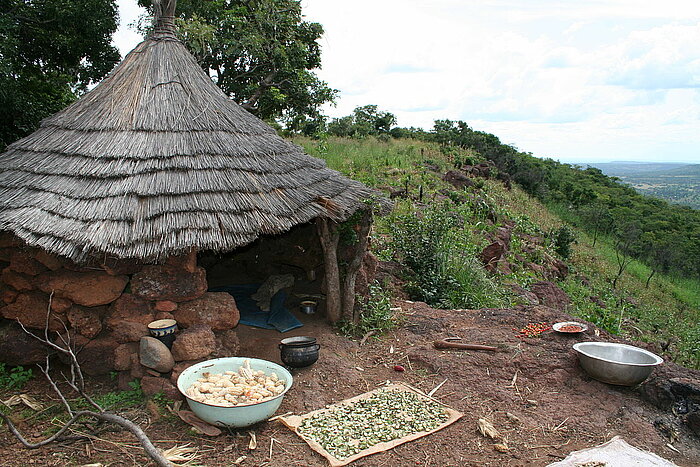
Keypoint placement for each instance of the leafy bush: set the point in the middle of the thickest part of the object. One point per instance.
(436, 245)
(562, 238)
(15, 377)
(376, 314)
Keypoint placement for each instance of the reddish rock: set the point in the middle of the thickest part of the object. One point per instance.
(151, 385)
(123, 355)
(227, 344)
(180, 367)
(19, 348)
(60, 305)
(129, 307)
(186, 262)
(22, 262)
(30, 309)
(118, 267)
(551, 295)
(128, 331)
(8, 296)
(169, 283)
(503, 234)
(86, 321)
(52, 262)
(198, 341)
(6, 254)
(216, 309)
(492, 254)
(97, 356)
(16, 280)
(93, 288)
(529, 297)
(457, 179)
(165, 305)
(163, 315)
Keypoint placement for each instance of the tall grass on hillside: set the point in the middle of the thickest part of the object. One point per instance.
(437, 246)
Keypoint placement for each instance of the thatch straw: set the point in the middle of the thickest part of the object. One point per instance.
(156, 160)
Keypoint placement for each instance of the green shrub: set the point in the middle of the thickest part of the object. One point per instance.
(15, 377)
(376, 314)
(562, 238)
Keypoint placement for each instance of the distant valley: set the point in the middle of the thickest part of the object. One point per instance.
(675, 182)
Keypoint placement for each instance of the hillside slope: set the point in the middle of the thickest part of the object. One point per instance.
(482, 242)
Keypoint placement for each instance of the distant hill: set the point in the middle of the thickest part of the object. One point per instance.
(675, 182)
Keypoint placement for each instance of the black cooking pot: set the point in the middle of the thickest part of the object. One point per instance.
(299, 352)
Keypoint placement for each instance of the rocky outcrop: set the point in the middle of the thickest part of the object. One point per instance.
(551, 295)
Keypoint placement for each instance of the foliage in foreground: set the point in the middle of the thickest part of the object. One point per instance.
(14, 377)
(377, 314)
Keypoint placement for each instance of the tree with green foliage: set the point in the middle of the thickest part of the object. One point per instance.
(262, 53)
(366, 120)
(50, 51)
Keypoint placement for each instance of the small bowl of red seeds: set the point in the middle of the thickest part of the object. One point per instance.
(569, 327)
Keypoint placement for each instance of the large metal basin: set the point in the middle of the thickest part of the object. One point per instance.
(620, 364)
(241, 415)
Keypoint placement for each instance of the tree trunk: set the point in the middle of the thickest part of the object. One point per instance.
(653, 271)
(329, 236)
(358, 254)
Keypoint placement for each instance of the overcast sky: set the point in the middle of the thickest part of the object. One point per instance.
(572, 80)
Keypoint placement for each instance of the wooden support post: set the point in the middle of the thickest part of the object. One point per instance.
(357, 255)
(329, 236)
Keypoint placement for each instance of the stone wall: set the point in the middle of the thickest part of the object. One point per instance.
(104, 309)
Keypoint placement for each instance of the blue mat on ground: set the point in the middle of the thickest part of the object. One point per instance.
(278, 317)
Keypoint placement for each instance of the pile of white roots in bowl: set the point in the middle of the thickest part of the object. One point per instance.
(232, 388)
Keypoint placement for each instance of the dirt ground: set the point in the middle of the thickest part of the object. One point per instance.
(532, 390)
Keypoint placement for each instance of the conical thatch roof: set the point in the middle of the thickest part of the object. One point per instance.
(156, 160)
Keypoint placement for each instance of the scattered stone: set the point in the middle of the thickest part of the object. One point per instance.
(598, 301)
(529, 297)
(195, 342)
(492, 254)
(86, 321)
(137, 370)
(129, 307)
(154, 354)
(16, 280)
(165, 305)
(216, 309)
(93, 288)
(169, 283)
(129, 331)
(458, 179)
(123, 356)
(551, 295)
(151, 385)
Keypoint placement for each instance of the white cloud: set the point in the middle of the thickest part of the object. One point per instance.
(601, 78)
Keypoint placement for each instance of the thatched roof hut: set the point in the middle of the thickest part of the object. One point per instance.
(156, 160)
